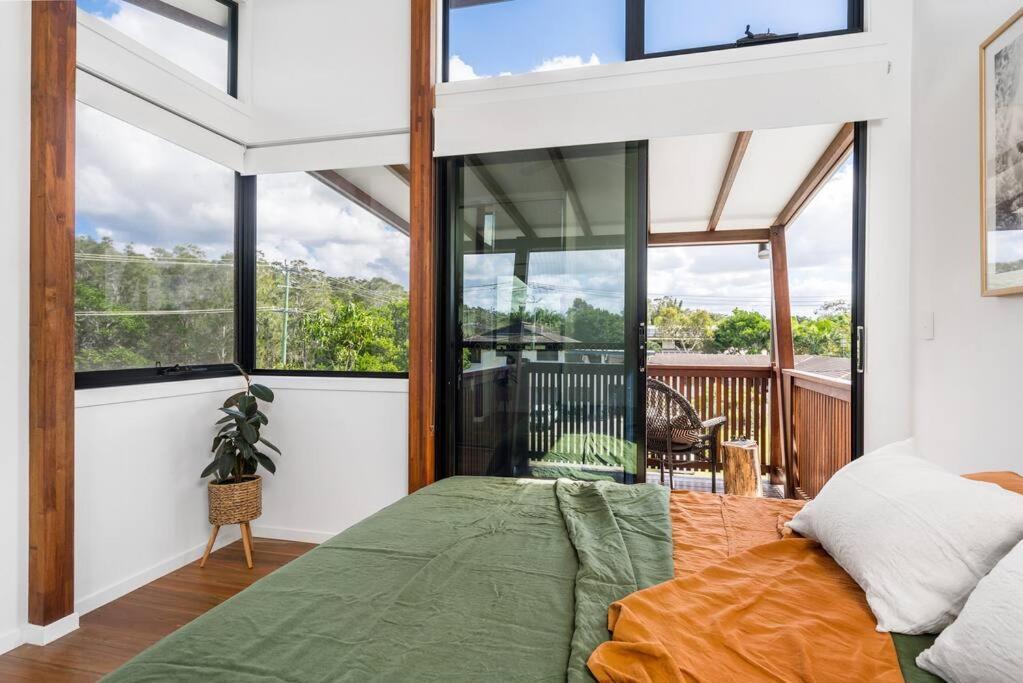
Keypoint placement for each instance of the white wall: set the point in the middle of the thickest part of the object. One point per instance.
(327, 69)
(139, 503)
(968, 379)
(800, 83)
(15, 85)
(345, 443)
(888, 405)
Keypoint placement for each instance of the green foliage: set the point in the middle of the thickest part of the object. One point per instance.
(594, 327)
(130, 305)
(237, 446)
(742, 332)
(828, 333)
(693, 329)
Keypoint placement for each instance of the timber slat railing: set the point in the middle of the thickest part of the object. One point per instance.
(566, 406)
(821, 428)
(740, 393)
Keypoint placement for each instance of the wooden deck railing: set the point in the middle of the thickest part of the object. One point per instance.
(821, 429)
(741, 394)
(565, 406)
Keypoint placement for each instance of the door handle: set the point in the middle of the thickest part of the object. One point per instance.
(860, 333)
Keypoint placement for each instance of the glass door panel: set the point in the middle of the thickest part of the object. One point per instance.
(543, 355)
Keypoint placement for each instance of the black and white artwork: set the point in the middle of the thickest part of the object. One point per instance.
(1003, 161)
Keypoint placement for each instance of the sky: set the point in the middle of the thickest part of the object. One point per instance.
(161, 195)
(519, 36)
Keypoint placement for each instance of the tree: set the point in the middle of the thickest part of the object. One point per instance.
(692, 329)
(594, 326)
(745, 332)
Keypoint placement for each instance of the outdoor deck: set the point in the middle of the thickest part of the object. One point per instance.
(571, 416)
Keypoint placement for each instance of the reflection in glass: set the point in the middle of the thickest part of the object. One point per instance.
(540, 246)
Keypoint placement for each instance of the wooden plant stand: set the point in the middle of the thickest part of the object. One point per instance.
(234, 502)
(246, 543)
(740, 465)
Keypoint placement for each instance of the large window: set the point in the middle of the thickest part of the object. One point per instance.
(518, 36)
(197, 35)
(154, 251)
(683, 25)
(485, 38)
(332, 271)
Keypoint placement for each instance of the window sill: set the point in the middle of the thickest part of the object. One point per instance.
(132, 393)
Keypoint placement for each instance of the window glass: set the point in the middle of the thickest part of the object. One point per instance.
(154, 250)
(194, 34)
(332, 271)
(488, 38)
(687, 24)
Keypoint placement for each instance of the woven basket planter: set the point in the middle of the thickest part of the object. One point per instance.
(233, 503)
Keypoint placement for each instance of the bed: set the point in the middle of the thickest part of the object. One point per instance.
(477, 578)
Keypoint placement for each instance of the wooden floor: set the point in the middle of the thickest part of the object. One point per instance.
(114, 633)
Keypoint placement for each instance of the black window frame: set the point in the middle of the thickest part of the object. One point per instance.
(245, 321)
(635, 34)
(96, 379)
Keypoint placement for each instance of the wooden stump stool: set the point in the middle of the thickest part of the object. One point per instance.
(740, 465)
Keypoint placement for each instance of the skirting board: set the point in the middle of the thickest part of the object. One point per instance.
(101, 597)
(44, 635)
(285, 534)
(10, 640)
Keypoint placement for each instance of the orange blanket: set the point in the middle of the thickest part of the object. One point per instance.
(749, 603)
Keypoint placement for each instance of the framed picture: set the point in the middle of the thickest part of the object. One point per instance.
(1001, 160)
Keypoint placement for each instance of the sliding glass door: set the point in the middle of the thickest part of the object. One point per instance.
(543, 335)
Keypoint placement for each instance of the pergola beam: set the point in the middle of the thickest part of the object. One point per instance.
(833, 156)
(561, 168)
(742, 139)
(702, 237)
(401, 171)
(491, 185)
(352, 192)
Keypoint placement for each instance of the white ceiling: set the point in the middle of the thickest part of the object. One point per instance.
(383, 185)
(686, 174)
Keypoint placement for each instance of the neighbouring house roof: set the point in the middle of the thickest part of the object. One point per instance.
(839, 368)
(520, 334)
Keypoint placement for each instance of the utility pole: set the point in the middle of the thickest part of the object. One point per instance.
(287, 297)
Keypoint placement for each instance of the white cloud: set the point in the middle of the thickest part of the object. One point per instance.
(566, 62)
(138, 189)
(458, 70)
(200, 53)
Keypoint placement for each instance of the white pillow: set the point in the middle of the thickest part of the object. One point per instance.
(916, 538)
(986, 642)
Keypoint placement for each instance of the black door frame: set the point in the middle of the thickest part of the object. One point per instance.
(449, 332)
(859, 260)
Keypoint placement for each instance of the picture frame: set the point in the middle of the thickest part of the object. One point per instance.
(1001, 160)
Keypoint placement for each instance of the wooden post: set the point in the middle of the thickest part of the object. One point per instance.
(784, 356)
(423, 266)
(51, 409)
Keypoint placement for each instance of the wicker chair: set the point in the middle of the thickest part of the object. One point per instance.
(675, 434)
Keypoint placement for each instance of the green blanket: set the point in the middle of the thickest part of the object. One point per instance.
(470, 579)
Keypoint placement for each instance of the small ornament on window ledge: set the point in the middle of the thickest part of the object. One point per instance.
(768, 37)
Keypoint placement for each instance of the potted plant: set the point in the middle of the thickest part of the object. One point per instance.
(235, 493)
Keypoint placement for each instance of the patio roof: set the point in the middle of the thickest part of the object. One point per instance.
(733, 187)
